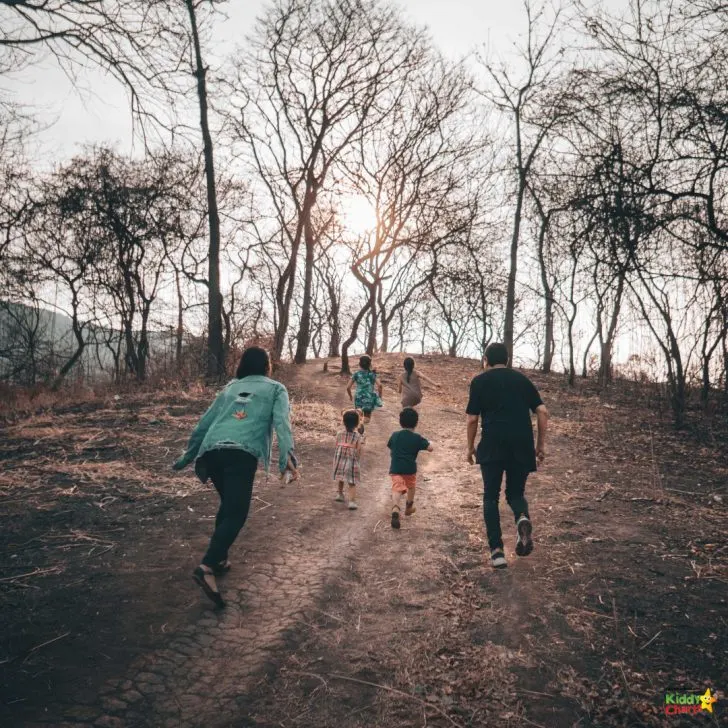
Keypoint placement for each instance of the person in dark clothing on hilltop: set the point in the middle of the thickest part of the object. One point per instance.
(503, 399)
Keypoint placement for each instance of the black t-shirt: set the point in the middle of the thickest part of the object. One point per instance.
(504, 399)
(405, 446)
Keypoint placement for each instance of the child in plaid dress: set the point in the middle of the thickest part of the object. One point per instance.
(346, 458)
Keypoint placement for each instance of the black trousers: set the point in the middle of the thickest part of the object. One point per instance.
(515, 489)
(232, 473)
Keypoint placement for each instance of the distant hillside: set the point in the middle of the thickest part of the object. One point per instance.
(36, 342)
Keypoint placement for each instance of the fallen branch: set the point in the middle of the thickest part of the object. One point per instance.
(647, 644)
(49, 642)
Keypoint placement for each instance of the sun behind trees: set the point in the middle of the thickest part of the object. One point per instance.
(567, 197)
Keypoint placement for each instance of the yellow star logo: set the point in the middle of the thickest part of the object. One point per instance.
(707, 700)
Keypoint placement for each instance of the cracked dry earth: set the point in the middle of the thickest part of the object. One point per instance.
(334, 619)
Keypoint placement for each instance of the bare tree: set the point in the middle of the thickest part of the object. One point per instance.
(318, 76)
(534, 111)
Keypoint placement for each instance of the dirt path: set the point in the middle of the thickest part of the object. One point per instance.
(605, 617)
(334, 619)
(201, 674)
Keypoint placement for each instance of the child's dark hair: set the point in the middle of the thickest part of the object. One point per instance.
(408, 418)
(254, 361)
(496, 354)
(409, 365)
(365, 362)
(351, 420)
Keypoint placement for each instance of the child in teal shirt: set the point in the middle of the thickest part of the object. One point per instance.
(405, 445)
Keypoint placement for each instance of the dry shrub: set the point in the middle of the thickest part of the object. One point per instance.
(319, 420)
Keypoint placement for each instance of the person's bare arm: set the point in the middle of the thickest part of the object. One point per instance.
(542, 418)
(348, 389)
(472, 428)
(430, 448)
(429, 381)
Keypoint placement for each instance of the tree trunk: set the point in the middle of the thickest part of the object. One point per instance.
(707, 357)
(373, 324)
(585, 360)
(605, 364)
(334, 324)
(384, 347)
(549, 343)
(304, 332)
(80, 346)
(570, 339)
(180, 323)
(511, 289)
(345, 369)
(548, 295)
(215, 369)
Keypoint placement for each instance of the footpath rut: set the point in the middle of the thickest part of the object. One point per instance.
(202, 675)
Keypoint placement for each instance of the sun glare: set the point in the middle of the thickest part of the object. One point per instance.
(358, 215)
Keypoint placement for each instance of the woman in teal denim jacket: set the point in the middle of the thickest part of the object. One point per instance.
(226, 445)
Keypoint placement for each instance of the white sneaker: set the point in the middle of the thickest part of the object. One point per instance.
(498, 559)
(352, 505)
(524, 541)
(339, 497)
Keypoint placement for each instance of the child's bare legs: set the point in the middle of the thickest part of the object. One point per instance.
(410, 505)
(396, 507)
(340, 493)
(352, 497)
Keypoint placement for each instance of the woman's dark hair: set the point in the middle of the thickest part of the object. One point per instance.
(408, 418)
(409, 365)
(496, 354)
(351, 420)
(365, 362)
(254, 361)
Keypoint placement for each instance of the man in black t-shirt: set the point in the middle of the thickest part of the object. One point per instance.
(504, 399)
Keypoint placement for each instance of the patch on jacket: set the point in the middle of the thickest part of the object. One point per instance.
(240, 415)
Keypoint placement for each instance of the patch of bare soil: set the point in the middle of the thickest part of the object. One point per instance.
(335, 618)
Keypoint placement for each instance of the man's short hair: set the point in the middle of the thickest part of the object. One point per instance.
(408, 418)
(496, 354)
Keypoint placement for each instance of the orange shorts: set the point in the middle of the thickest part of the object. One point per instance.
(402, 483)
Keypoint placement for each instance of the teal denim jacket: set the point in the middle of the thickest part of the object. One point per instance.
(243, 417)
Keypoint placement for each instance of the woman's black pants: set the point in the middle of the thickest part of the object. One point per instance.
(232, 473)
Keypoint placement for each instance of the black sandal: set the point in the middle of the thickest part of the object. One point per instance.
(214, 596)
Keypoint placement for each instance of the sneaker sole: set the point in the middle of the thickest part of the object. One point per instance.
(524, 544)
(395, 521)
(503, 565)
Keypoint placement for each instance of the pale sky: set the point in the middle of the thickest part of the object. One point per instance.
(100, 112)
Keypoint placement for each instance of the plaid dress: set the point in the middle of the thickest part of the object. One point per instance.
(346, 458)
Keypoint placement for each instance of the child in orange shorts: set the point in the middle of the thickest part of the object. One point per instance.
(405, 445)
